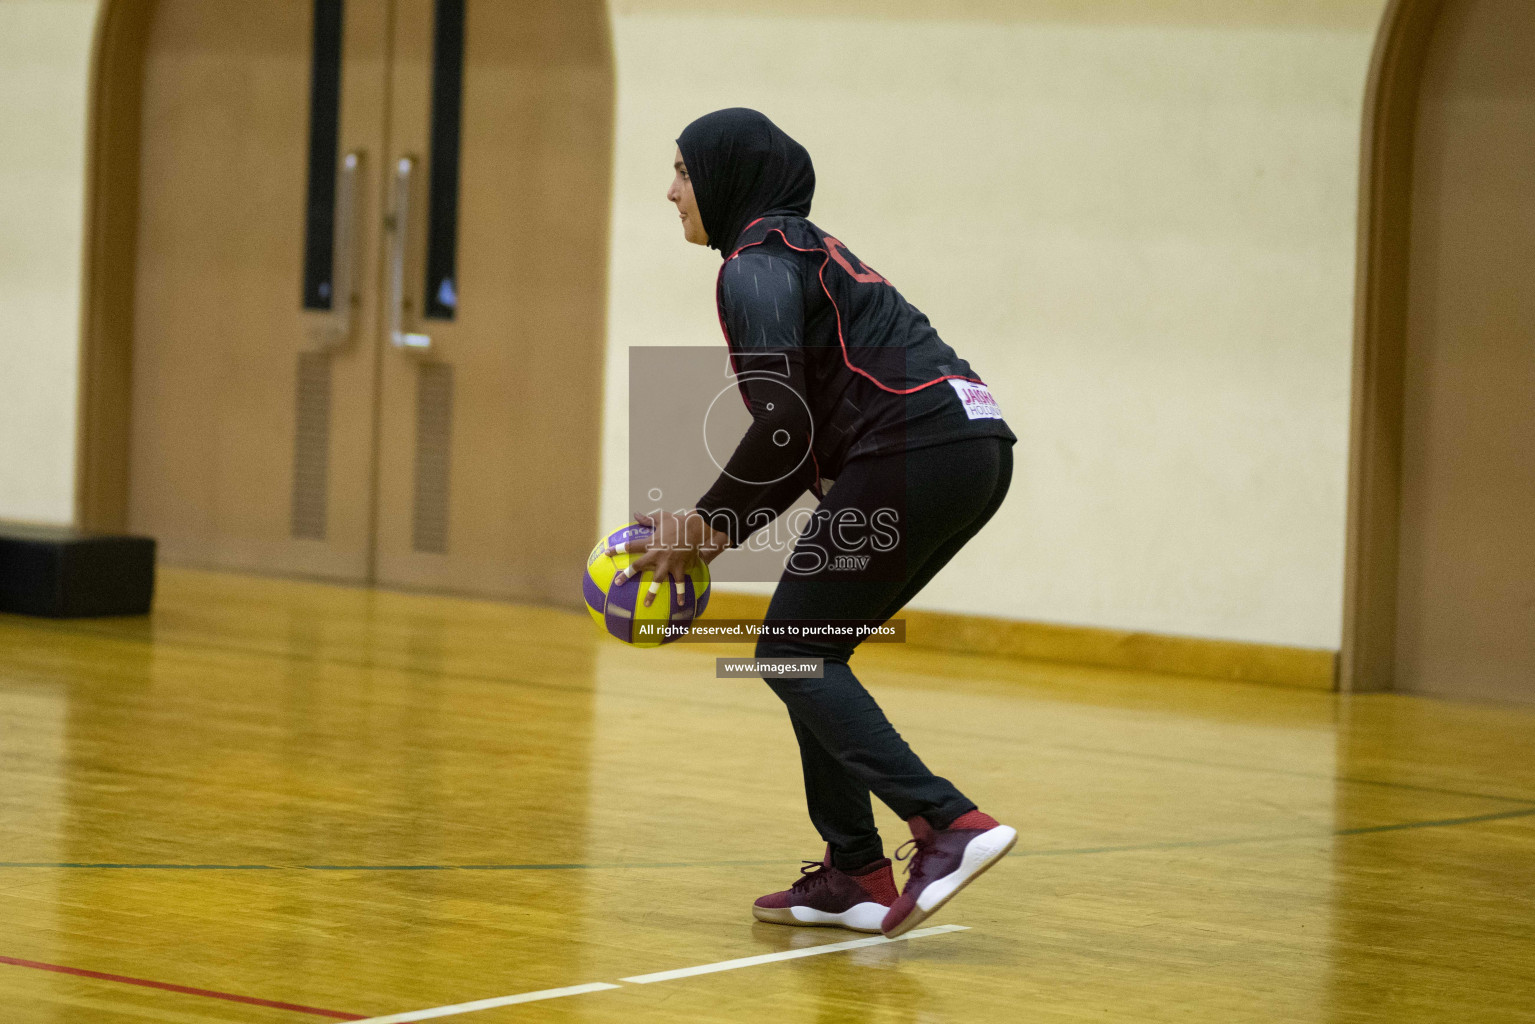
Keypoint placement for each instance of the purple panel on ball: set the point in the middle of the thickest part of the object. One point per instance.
(703, 602)
(627, 534)
(619, 613)
(596, 600)
(625, 595)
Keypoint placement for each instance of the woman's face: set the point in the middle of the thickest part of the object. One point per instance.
(681, 193)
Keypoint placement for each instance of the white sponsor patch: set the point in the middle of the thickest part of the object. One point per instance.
(977, 400)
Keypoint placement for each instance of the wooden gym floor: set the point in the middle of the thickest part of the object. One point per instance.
(278, 801)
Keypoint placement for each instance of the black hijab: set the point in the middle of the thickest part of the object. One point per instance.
(744, 166)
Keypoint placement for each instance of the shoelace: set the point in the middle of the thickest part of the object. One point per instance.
(812, 873)
(913, 850)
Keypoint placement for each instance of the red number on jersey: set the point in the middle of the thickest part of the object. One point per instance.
(861, 273)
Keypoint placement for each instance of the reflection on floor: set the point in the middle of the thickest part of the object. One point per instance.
(361, 803)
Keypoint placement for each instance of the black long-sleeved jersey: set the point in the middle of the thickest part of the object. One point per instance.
(833, 364)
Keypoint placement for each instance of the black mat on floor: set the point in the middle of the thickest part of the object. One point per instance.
(60, 572)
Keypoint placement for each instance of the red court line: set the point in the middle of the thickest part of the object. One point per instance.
(183, 989)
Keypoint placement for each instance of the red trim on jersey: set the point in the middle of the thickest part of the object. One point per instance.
(826, 257)
(730, 350)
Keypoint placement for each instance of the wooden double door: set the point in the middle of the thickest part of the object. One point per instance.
(368, 294)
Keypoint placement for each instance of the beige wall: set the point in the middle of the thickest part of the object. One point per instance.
(44, 67)
(1134, 216)
(1136, 219)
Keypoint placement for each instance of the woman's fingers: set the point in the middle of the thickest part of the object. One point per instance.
(678, 573)
(636, 567)
(664, 570)
(665, 560)
(664, 567)
(638, 545)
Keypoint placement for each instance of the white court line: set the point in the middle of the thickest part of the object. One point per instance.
(489, 1004)
(791, 954)
(648, 979)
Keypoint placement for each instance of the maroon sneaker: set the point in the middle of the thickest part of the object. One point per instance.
(943, 863)
(828, 897)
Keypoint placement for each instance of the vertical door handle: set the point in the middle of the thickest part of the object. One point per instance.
(399, 225)
(334, 332)
(344, 269)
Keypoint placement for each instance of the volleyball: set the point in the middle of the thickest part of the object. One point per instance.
(619, 608)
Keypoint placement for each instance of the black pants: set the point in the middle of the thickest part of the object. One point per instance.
(848, 748)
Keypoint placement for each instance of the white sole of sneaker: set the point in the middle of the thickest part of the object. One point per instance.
(982, 852)
(865, 917)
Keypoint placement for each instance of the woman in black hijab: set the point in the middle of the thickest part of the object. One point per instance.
(846, 382)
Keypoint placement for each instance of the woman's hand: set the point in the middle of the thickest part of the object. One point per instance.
(675, 541)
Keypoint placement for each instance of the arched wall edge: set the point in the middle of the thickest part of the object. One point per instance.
(106, 310)
(1380, 315)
